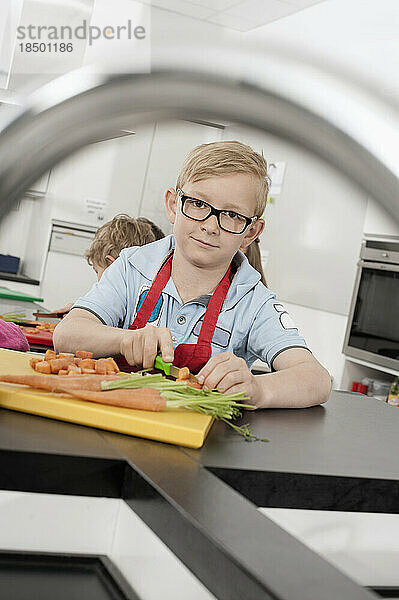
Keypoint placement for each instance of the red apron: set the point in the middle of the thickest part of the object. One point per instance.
(193, 356)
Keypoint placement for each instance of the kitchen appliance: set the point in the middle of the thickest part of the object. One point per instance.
(175, 426)
(67, 276)
(372, 332)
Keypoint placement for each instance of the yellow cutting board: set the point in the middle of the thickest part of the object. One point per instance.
(174, 426)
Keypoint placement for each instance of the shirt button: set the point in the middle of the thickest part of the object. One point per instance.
(181, 320)
(173, 338)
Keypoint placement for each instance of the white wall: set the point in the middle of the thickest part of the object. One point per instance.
(357, 37)
(313, 228)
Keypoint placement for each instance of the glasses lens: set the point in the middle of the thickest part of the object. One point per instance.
(232, 222)
(196, 209)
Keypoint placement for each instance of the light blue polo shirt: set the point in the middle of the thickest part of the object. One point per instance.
(252, 323)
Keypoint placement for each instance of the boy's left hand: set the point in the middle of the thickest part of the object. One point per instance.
(230, 374)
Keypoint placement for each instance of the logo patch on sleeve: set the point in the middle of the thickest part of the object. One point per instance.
(285, 319)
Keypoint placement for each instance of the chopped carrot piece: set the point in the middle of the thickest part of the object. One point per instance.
(59, 363)
(66, 355)
(43, 366)
(77, 361)
(62, 372)
(50, 354)
(84, 354)
(33, 361)
(87, 363)
(101, 366)
(184, 373)
(88, 371)
(113, 363)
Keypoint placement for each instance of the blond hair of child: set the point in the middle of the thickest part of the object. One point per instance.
(226, 158)
(119, 233)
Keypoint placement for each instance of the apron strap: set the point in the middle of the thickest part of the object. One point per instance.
(212, 312)
(153, 294)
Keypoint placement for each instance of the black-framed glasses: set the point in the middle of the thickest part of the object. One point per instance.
(199, 210)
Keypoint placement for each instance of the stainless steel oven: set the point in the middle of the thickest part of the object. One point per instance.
(372, 333)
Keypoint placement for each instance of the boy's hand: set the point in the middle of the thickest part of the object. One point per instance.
(141, 346)
(230, 374)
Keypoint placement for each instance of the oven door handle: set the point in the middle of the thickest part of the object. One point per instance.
(366, 264)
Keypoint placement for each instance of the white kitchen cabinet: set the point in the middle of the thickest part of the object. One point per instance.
(129, 174)
(86, 175)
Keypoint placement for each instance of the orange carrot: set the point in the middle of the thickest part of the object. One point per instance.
(50, 354)
(113, 364)
(66, 355)
(184, 373)
(63, 372)
(83, 354)
(52, 383)
(101, 366)
(88, 371)
(33, 361)
(43, 367)
(142, 399)
(59, 363)
(87, 363)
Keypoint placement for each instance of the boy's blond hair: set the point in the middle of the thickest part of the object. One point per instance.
(122, 232)
(226, 158)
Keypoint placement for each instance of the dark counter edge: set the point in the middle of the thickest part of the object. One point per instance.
(234, 550)
(18, 278)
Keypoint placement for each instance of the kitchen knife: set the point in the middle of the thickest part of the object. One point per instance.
(170, 369)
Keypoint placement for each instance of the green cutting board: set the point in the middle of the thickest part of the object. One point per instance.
(11, 295)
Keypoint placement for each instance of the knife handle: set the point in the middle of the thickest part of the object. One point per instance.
(163, 366)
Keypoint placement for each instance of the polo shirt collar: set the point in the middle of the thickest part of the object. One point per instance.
(149, 257)
(245, 278)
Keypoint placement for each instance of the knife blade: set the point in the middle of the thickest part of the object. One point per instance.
(170, 369)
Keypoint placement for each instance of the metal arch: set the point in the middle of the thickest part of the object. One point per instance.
(78, 109)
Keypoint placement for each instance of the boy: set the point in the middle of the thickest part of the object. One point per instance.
(210, 309)
(112, 237)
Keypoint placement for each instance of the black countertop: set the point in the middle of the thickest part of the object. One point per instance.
(20, 278)
(202, 503)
